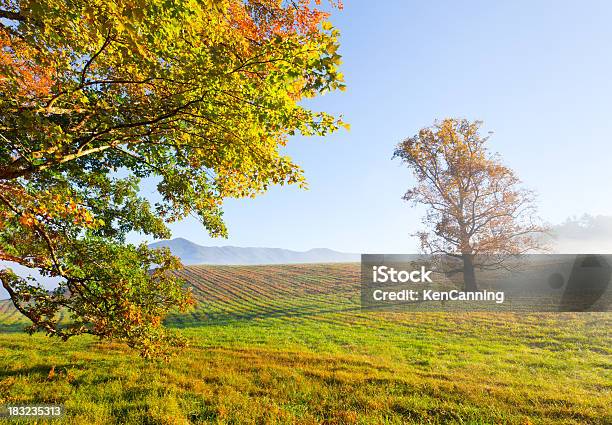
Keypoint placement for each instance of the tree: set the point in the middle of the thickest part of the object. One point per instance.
(97, 95)
(476, 209)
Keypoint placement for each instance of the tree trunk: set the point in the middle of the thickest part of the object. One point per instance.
(469, 274)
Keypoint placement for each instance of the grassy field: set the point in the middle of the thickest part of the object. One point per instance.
(289, 344)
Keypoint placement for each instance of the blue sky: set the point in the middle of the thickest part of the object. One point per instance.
(539, 74)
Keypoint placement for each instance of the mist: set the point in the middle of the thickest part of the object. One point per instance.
(583, 235)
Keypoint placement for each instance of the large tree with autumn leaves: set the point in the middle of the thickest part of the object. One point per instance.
(477, 210)
(99, 94)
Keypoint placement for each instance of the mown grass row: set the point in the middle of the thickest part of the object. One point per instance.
(269, 291)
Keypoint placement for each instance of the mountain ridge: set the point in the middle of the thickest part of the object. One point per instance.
(191, 253)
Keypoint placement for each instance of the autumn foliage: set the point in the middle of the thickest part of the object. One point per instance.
(476, 207)
(97, 95)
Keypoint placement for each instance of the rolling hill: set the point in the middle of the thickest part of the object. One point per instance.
(191, 253)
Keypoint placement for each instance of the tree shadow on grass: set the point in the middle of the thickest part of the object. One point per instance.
(12, 328)
(203, 318)
(38, 371)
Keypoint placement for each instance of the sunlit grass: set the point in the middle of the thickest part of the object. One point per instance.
(294, 351)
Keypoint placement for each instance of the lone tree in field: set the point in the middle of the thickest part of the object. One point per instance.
(476, 209)
(96, 95)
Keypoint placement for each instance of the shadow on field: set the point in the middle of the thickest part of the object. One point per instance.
(203, 318)
(12, 328)
(40, 371)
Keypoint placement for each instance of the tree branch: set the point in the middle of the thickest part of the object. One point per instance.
(13, 16)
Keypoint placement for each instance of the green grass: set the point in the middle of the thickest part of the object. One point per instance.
(288, 344)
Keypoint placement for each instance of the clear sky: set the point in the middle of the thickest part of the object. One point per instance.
(538, 73)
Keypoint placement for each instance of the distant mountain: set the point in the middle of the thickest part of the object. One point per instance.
(192, 253)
